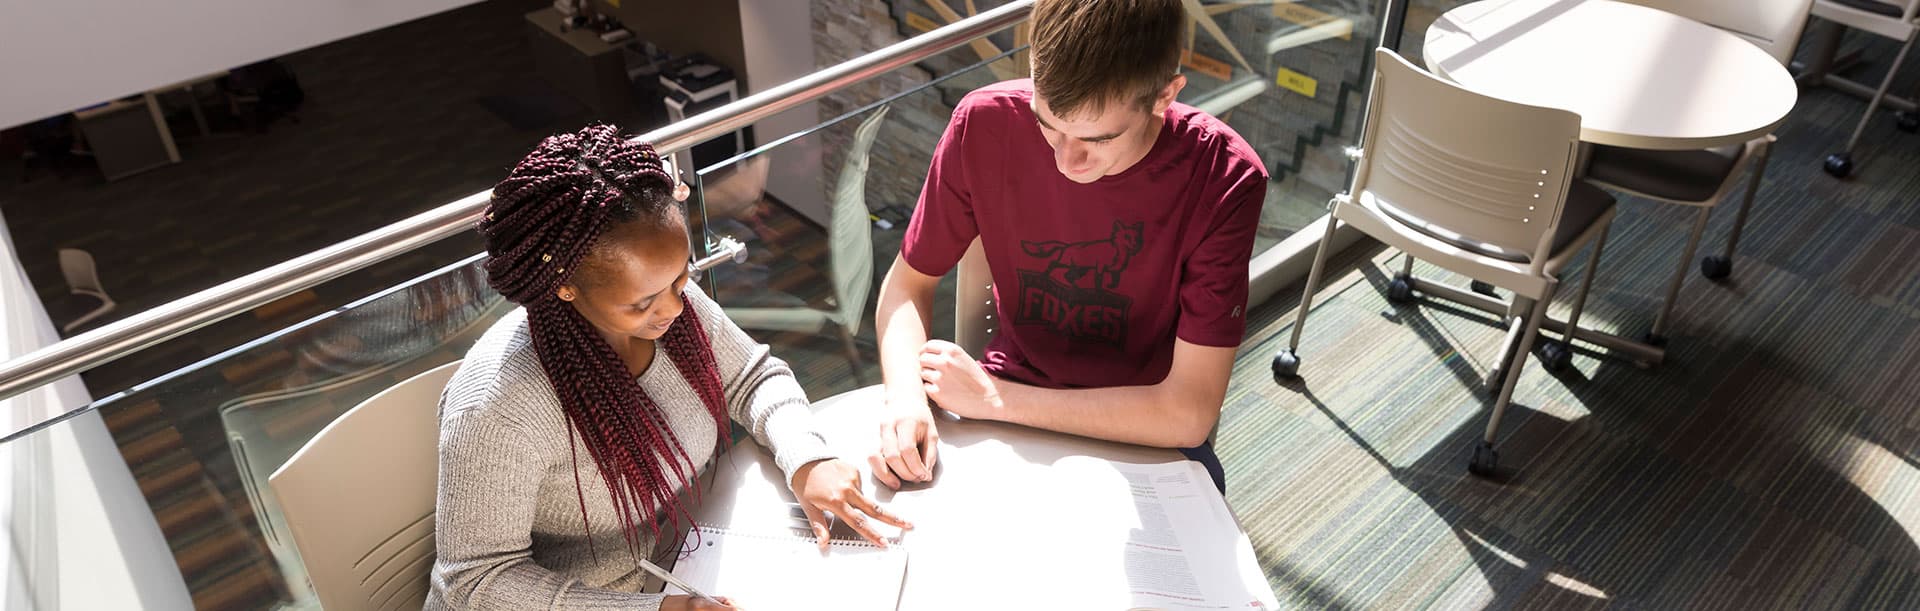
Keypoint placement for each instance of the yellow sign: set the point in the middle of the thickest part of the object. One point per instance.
(1310, 17)
(1207, 65)
(921, 23)
(615, 3)
(1297, 82)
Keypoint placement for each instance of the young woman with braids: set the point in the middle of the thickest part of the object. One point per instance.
(571, 436)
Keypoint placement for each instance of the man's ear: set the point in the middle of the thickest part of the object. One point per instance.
(1168, 94)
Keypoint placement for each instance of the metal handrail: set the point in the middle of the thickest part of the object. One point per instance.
(121, 338)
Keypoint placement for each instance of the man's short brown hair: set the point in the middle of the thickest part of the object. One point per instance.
(1089, 52)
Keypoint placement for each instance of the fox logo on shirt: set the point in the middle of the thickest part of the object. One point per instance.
(1105, 259)
(1072, 295)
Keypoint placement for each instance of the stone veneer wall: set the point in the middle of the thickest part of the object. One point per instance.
(897, 166)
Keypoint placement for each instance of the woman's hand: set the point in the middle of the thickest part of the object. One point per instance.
(833, 485)
(682, 602)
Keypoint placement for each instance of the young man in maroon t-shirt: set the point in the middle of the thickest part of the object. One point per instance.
(1118, 225)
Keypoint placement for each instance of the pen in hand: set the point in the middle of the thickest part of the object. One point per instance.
(656, 571)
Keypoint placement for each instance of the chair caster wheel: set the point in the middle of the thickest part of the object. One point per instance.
(1486, 461)
(1716, 267)
(1555, 356)
(1655, 340)
(1286, 366)
(1401, 289)
(1483, 288)
(1839, 165)
(1907, 121)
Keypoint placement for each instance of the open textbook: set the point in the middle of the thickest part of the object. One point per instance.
(1178, 545)
(1078, 533)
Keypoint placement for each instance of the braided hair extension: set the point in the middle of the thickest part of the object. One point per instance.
(547, 219)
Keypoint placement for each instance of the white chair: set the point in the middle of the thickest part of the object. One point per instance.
(83, 279)
(1702, 178)
(1477, 185)
(1894, 19)
(359, 498)
(973, 301)
(850, 242)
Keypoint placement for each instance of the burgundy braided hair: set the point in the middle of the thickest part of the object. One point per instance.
(548, 218)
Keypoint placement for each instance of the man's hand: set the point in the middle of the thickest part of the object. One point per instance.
(909, 445)
(833, 485)
(955, 382)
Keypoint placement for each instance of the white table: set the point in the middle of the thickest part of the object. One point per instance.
(979, 533)
(1638, 77)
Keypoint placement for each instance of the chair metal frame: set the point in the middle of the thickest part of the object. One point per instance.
(1404, 148)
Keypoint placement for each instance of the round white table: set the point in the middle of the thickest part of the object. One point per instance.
(998, 527)
(1638, 77)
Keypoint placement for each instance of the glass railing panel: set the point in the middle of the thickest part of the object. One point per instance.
(200, 441)
(1291, 78)
(817, 252)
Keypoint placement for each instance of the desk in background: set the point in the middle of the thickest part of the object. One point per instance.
(579, 64)
(130, 135)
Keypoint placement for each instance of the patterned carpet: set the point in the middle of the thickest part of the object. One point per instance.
(1772, 462)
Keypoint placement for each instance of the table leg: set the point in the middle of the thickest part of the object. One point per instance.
(160, 124)
(199, 116)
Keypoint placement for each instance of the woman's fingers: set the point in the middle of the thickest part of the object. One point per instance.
(863, 503)
(853, 519)
(817, 520)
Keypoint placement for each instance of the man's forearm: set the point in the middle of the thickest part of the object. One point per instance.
(901, 321)
(1141, 415)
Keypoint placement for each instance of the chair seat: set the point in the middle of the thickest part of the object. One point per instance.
(1585, 204)
(1685, 176)
(1871, 6)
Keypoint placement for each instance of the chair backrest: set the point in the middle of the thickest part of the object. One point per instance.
(973, 301)
(851, 227)
(77, 265)
(359, 498)
(1493, 171)
(1773, 25)
(1895, 19)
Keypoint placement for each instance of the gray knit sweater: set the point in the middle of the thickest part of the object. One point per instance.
(509, 531)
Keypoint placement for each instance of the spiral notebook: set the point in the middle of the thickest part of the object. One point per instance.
(765, 571)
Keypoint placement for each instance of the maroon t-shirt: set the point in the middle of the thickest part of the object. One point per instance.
(1093, 282)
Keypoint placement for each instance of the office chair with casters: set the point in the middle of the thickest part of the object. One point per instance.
(850, 241)
(1898, 20)
(1458, 179)
(359, 498)
(83, 278)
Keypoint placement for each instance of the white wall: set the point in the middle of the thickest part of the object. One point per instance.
(778, 36)
(77, 532)
(59, 55)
